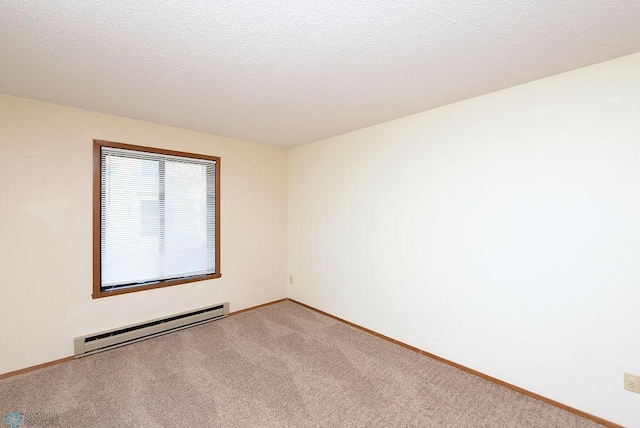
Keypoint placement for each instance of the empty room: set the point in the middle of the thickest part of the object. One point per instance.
(320, 213)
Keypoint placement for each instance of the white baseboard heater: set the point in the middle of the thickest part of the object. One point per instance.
(98, 342)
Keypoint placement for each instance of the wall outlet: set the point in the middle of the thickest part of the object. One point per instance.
(632, 383)
(290, 280)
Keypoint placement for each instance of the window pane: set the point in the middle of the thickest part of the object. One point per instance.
(130, 252)
(186, 219)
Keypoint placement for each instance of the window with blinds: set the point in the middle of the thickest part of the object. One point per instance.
(156, 219)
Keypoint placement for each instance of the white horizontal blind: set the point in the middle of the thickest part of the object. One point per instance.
(157, 217)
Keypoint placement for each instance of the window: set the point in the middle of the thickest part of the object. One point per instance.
(156, 218)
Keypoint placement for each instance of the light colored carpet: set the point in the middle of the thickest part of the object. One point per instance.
(278, 366)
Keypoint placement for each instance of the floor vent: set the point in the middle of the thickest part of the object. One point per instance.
(97, 342)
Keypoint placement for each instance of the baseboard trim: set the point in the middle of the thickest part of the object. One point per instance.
(36, 367)
(257, 307)
(497, 381)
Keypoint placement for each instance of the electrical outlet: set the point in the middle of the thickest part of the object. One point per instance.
(290, 280)
(632, 383)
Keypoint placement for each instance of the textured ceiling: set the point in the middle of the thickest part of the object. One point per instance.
(289, 73)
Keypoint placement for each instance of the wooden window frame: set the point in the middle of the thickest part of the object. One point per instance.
(97, 266)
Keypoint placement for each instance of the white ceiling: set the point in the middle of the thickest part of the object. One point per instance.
(286, 73)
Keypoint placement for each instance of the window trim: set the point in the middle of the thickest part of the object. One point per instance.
(97, 266)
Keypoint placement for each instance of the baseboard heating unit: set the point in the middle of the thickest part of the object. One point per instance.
(98, 342)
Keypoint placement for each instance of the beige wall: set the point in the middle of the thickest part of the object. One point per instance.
(46, 235)
(502, 233)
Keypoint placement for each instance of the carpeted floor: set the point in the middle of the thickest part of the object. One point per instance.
(278, 366)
